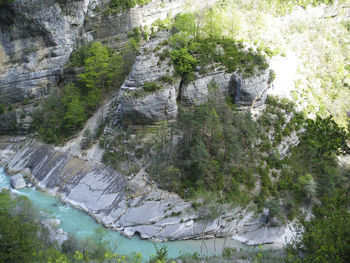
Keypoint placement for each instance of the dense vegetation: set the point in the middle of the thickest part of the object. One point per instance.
(197, 41)
(326, 236)
(25, 239)
(235, 156)
(232, 154)
(118, 6)
(67, 109)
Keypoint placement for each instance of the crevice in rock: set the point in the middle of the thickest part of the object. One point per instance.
(178, 98)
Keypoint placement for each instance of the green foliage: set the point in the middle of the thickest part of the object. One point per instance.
(5, 2)
(229, 252)
(166, 79)
(198, 45)
(2, 108)
(78, 56)
(87, 140)
(25, 239)
(161, 254)
(214, 142)
(62, 114)
(67, 109)
(18, 230)
(328, 138)
(151, 87)
(101, 69)
(124, 5)
(184, 63)
(326, 236)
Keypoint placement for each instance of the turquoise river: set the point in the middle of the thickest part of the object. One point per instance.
(81, 225)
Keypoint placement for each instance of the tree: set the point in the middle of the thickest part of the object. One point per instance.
(102, 68)
(96, 67)
(185, 23)
(326, 236)
(184, 62)
(75, 116)
(18, 230)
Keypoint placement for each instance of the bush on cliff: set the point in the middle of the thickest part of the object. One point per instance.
(326, 236)
(67, 109)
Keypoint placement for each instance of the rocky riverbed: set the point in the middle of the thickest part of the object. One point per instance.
(132, 206)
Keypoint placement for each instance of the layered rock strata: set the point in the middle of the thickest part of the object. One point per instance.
(129, 205)
(139, 106)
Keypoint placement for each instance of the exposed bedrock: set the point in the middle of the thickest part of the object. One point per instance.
(102, 26)
(247, 92)
(150, 108)
(251, 91)
(138, 106)
(196, 92)
(36, 38)
(129, 205)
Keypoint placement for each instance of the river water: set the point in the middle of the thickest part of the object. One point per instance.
(81, 225)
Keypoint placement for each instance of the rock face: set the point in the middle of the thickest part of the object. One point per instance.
(258, 232)
(251, 91)
(111, 25)
(137, 106)
(196, 92)
(129, 205)
(150, 108)
(56, 235)
(36, 39)
(17, 181)
(8, 122)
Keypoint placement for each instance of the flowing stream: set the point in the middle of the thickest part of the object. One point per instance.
(81, 225)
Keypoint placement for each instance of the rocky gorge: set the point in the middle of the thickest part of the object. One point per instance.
(36, 40)
(132, 206)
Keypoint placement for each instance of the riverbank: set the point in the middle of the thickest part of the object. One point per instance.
(82, 226)
(129, 205)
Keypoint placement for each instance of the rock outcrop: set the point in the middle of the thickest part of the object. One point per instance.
(102, 26)
(137, 106)
(196, 92)
(251, 91)
(129, 205)
(36, 39)
(17, 181)
(56, 235)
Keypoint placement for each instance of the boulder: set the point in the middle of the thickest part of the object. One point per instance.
(17, 181)
(250, 91)
(56, 235)
(52, 222)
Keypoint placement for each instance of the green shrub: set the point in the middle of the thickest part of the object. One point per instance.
(229, 252)
(151, 87)
(167, 79)
(124, 5)
(184, 63)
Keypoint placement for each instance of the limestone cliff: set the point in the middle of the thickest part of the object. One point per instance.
(37, 37)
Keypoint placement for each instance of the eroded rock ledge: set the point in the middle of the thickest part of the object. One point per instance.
(131, 206)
